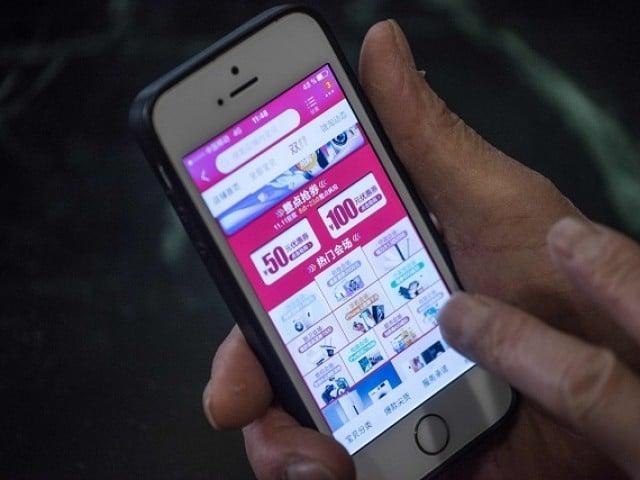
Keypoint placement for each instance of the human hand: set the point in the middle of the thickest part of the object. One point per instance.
(494, 215)
(585, 387)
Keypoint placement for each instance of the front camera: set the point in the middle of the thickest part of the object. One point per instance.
(235, 70)
(220, 102)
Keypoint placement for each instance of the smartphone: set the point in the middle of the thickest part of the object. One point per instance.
(290, 191)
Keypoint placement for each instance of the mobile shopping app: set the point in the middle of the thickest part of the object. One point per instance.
(322, 236)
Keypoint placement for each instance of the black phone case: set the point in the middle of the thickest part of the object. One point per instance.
(140, 122)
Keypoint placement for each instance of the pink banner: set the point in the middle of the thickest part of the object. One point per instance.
(310, 97)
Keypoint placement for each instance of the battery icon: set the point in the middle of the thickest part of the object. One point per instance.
(321, 75)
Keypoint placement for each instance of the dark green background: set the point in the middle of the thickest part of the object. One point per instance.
(109, 321)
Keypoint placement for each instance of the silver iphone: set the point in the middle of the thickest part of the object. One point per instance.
(291, 193)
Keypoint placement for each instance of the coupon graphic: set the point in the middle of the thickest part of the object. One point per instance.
(285, 252)
(355, 204)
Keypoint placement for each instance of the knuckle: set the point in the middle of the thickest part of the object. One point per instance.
(501, 340)
(450, 126)
(431, 121)
(446, 118)
(584, 384)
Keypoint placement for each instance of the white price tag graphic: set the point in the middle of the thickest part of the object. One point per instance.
(358, 202)
(285, 252)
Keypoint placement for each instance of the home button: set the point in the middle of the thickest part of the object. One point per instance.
(432, 434)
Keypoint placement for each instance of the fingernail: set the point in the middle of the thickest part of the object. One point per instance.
(462, 320)
(401, 43)
(308, 470)
(206, 402)
(575, 240)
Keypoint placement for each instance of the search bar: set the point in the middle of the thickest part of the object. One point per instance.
(273, 162)
(264, 136)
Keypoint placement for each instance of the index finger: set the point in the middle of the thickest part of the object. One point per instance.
(583, 386)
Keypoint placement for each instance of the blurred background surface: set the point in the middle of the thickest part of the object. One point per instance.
(109, 321)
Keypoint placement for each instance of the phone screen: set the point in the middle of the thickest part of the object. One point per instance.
(307, 208)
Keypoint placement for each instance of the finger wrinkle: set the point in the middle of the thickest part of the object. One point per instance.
(388, 57)
(607, 272)
(275, 441)
(501, 339)
(614, 267)
(584, 384)
(482, 237)
(401, 44)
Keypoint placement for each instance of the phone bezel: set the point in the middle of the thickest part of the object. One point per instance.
(178, 114)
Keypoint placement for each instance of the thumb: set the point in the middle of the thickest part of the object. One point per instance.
(466, 182)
